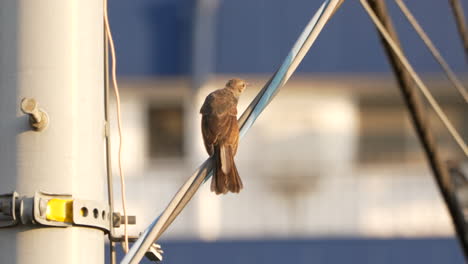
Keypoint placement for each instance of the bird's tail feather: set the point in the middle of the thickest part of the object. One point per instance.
(234, 180)
(225, 175)
(218, 183)
(225, 162)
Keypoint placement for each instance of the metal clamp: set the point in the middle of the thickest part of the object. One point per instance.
(48, 209)
(155, 253)
(52, 209)
(9, 209)
(91, 213)
(63, 210)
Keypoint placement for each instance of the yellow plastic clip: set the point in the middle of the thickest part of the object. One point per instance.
(60, 210)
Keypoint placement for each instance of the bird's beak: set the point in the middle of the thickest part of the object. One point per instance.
(247, 84)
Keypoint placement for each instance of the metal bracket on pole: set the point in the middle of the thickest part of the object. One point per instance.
(9, 209)
(63, 210)
(59, 210)
(52, 209)
(99, 217)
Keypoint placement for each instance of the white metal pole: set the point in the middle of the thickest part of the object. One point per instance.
(52, 51)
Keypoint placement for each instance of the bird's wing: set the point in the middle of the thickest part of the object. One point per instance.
(207, 105)
(220, 102)
(209, 136)
(219, 118)
(232, 137)
(219, 130)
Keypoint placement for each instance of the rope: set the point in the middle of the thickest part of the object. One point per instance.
(264, 97)
(417, 112)
(448, 71)
(461, 24)
(416, 79)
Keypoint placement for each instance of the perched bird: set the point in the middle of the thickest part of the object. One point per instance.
(221, 135)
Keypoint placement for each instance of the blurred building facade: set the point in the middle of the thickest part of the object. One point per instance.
(333, 155)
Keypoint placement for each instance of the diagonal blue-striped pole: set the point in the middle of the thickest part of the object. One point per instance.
(264, 97)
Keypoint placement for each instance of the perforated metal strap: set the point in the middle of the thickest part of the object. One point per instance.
(48, 209)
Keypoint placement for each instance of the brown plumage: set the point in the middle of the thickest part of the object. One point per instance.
(221, 135)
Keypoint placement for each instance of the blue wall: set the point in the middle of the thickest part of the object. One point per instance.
(153, 37)
(323, 251)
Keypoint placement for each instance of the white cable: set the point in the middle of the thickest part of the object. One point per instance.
(416, 78)
(450, 74)
(186, 192)
(119, 123)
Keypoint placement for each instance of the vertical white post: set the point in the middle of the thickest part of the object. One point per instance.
(52, 51)
(203, 62)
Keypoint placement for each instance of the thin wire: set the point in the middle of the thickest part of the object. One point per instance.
(416, 78)
(448, 71)
(110, 181)
(119, 123)
(459, 16)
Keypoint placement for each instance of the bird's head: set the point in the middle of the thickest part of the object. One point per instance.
(237, 85)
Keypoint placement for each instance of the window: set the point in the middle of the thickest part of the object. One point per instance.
(386, 134)
(382, 132)
(166, 131)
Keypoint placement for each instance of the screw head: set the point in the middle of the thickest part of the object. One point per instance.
(28, 105)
